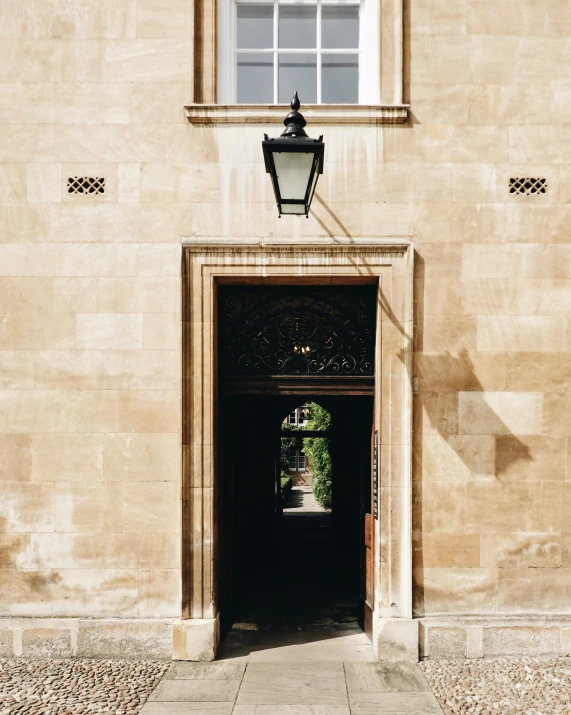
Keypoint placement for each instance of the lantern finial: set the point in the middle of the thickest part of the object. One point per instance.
(295, 121)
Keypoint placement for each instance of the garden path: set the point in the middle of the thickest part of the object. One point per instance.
(301, 500)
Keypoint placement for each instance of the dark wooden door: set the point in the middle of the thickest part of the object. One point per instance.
(369, 594)
(369, 541)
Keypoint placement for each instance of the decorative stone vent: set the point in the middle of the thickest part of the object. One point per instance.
(529, 186)
(85, 185)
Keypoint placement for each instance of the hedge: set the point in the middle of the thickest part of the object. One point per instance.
(287, 484)
(318, 452)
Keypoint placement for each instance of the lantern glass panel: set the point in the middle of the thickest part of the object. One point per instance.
(293, 170)
(297, 209)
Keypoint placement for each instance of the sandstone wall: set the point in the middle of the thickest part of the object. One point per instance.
(90, 309)
(90, 346)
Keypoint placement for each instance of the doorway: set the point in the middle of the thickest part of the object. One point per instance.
(292, 555)
(293, 559)
(385, 268)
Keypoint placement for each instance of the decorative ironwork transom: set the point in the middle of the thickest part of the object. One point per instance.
(282, 330)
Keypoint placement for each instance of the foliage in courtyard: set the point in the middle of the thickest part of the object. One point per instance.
(288, 445)
(286, 485)
(318, 452)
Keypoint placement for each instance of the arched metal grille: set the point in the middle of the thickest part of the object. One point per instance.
(282, 330)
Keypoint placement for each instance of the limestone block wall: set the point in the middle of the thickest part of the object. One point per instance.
(490, 88)
(90, 346)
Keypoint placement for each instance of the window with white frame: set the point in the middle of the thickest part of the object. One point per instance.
(269, 49)
(297, 461)
(297, 417)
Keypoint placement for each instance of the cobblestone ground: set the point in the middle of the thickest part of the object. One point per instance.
(76, 687)
(501, 686)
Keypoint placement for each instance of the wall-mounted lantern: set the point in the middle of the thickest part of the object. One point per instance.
(294, 162)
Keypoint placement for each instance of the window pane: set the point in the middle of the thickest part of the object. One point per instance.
(255, 78)
(255, 28)
(297, 73)
(297, 26)
(340, 27)
(340, 79)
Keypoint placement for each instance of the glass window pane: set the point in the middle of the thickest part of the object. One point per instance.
(255, 27)
(340, 79)
(255, 75)
(297, 73)
(340, 27)
(297, 26)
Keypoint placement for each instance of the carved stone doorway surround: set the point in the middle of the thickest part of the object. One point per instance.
(386, 263)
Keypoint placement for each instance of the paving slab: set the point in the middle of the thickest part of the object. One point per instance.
(182, 670)
(291, 671)
(394, 704)
(290, 710)
(295, 647)
(187, 709)
(198, 691)
(385, 678)
(299, 684)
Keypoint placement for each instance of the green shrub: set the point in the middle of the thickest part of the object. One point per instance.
(318, 452)
(287, 484)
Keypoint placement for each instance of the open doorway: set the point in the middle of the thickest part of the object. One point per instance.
(295, 416)
(292, 508)
(305, 320)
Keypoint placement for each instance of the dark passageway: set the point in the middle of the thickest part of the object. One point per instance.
(299, 569)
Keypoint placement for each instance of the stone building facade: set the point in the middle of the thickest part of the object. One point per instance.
(454, 190)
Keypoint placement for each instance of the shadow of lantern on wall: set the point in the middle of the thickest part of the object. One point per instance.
(294, 162)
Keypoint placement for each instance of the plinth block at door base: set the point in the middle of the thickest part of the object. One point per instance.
(397, 639)
(196, 639)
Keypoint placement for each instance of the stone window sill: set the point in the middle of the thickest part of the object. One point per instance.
(314, 113)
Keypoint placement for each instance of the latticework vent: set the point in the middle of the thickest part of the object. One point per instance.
(85, 185)
(527, 187)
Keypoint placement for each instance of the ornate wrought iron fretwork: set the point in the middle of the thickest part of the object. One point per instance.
(282, 330)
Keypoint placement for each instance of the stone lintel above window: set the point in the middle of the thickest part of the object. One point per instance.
(315, 113)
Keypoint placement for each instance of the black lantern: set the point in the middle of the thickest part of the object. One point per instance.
(294, 162)
(305, 413)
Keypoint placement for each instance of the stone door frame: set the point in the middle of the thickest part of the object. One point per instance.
(387, 263)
